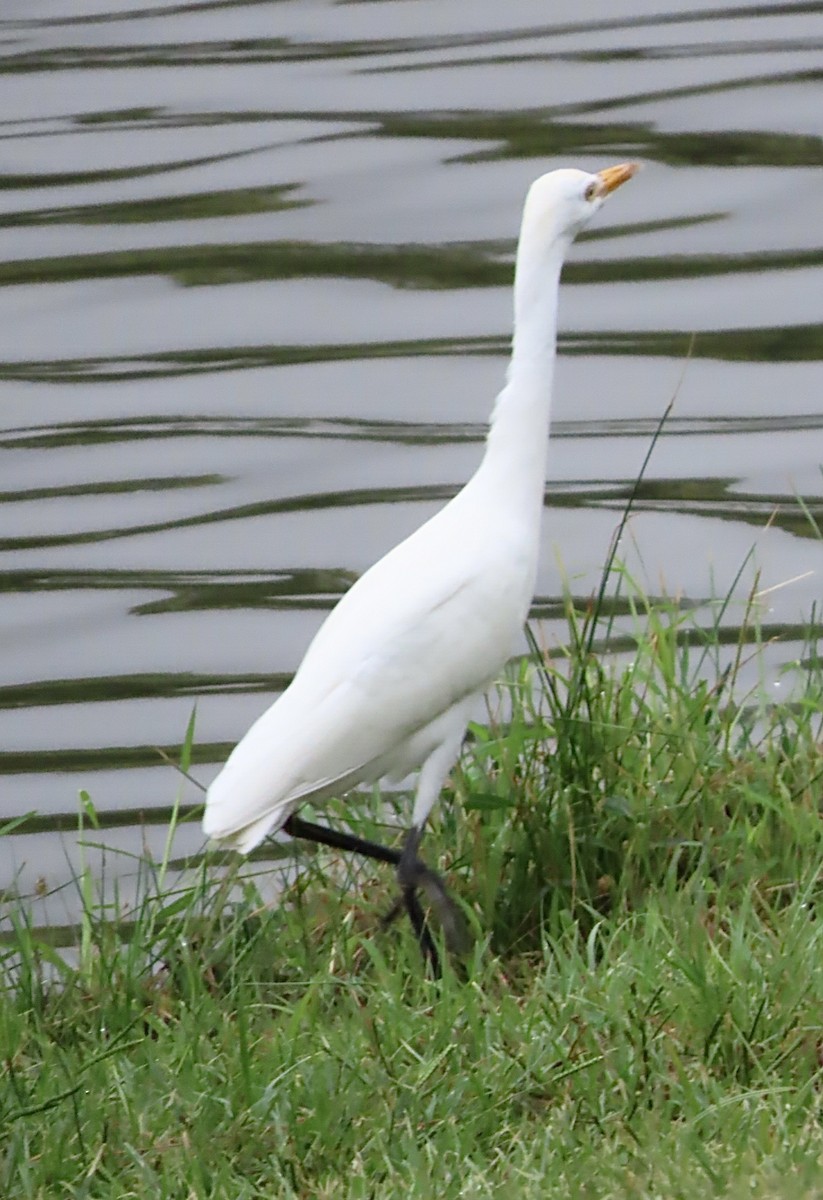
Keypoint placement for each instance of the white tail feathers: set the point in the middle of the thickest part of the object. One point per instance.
(245, 839)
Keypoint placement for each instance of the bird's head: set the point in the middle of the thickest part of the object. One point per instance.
(561, 202)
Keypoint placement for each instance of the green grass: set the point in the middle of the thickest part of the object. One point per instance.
(637, 846)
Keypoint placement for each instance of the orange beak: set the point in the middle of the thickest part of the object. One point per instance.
(612, 177)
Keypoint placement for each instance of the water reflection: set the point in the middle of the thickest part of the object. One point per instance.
(401, 266)
(255, 264)
(799, 343)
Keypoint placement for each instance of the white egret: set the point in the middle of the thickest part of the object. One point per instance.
(388, 683)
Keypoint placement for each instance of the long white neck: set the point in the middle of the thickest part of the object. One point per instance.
(515, 459)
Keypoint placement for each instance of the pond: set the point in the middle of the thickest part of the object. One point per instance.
(255, 270)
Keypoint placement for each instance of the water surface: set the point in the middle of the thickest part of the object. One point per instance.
(255, 269)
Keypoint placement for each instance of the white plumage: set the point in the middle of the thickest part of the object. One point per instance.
(388, 682)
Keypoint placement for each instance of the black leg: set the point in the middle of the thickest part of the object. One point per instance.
(297, 827)
(409, 901)
(422, 932)
(412, 874)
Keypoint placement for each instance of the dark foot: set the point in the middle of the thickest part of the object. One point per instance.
(409, 901)
(414, 875)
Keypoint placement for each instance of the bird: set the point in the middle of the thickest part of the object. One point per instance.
(389, 682)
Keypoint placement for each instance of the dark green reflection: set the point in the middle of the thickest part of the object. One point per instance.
(529, 133)
(234, 358)
(189, 591)
(122, 430)
(42, 179)
(158, 428)
(537, 133)
(710, 497)
(67, 822)
(718, 499)
(192, 206)
(143, 13)
(106, 487)
(305, 503)
(110, 688)
(791, 343)
(278, 49)
(403, 266)
(106, 758)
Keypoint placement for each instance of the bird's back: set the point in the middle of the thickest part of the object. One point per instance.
(429, 625)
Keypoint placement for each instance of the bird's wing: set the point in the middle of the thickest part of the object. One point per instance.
(397, 652)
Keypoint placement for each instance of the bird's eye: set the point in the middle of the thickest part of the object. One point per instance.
(591, 191)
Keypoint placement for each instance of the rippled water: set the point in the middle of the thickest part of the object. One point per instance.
(255, 266)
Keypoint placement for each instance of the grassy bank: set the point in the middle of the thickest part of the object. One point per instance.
(638, 849)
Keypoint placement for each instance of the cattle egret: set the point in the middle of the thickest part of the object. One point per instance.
(388, 683)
